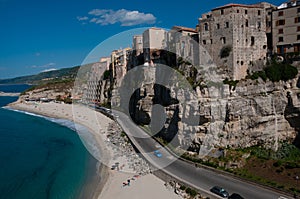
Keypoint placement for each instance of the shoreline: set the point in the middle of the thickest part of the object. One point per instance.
(4, 94)
(105, 139)
(100, 177)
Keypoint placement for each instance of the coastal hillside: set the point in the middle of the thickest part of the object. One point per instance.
(53, 85)
(43, 77)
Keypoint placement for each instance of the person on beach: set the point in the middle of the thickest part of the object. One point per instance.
(128, 182)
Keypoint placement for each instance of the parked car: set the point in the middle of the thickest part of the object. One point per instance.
(235, 196)
(157, 153)
(219, 191)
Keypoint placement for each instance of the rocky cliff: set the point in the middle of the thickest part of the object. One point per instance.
(252, 112)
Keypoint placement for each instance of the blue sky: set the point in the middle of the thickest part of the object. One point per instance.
(42, 35)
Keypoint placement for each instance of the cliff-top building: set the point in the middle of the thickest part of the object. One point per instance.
(235, 37)
(286, 28)
(137, 45)
(184, 42)
(94, 86)
(119, 59)
(154, 40)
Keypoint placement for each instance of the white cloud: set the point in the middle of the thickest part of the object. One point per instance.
(48, 70)
(82, 18)
(125, 17)
(43, 66)
(37, 54)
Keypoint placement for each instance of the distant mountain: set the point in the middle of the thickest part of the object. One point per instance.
(61, 74)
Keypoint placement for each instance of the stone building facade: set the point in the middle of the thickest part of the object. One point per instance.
(136, 56)
(185, 43)
(235, 37)
(286, 28)
(119, 60)
(95, 85)
(137, 44)
(154, 41)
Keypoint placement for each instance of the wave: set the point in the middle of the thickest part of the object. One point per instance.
(85, 135)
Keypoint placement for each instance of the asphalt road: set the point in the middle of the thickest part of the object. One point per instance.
(201, 178)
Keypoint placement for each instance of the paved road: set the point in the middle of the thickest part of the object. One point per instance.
(201, 178)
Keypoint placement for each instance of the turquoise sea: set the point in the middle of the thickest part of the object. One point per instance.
(40, 158)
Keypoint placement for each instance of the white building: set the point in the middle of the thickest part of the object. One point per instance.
(154, 40)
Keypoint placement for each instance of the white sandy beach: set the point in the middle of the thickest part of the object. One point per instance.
(141, 186)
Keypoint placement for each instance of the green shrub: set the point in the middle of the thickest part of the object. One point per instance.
(258, 74)
(182, 187)
(277, 164)
(231, 83)
(280, 71)
(191, 192)
(123, 134)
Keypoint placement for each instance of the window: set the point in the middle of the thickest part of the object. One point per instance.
(218, 26)
(280, 31)
(206, 26)
(298, 10)
(281, 22)
(269, 23)
(252, 41)
(227, 24)
(247, 23)
(204, 42)
(258, 24)
(258, 12)
(280, 39)
(222, 12)
(296, 48)
(242, 63)
(211, 41)
(280, 13)
(246, 12)
(223, 39)
(297, 19)
(298, 37)
(238, 11)
(298, 28)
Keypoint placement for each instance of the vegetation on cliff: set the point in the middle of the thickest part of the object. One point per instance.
(58, 85)
(275, 72)
(277, 169)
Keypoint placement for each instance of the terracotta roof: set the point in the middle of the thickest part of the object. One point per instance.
(237, 5)
(184, 29)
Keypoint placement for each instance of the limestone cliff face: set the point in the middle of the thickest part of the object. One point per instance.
(253, 113)
(209, 114)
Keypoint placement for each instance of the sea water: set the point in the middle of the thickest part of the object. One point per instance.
(39, 158)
